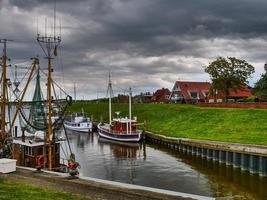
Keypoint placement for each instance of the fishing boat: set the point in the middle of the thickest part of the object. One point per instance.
(78, 122)
(122, 129)
(36, 143)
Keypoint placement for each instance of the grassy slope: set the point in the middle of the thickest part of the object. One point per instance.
(19, 191)
(230, 125)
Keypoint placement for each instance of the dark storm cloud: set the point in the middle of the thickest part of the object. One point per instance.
(156, 41)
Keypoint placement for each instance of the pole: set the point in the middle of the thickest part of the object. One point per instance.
(130, 109)
(110, 91)
(3, 105)
(4, 99)
(49, 131)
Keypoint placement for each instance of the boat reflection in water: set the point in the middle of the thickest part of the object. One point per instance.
(122, 149)
(126, 155)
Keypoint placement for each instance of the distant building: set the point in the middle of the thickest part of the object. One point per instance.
(146, 97)
(161, 96)
(190, 92)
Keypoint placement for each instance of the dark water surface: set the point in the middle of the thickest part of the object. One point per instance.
(155, 166)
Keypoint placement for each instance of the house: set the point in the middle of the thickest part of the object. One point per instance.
(146, 97)
(161, 96)
(123, 98)
(190, 92)
(234, 95)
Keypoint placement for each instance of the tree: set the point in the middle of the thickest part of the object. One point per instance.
(228, 74)
(261, 85)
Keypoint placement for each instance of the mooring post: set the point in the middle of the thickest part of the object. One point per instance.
(215, 156)
(244, 162)
(204, 152)
(209, 153)
(222, 156)
(262, 166)
(253, 164)
(236, 159)
(229, 158)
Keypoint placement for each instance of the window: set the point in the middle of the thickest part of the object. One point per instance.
(166, 96)
(193, 95)
(206, 93)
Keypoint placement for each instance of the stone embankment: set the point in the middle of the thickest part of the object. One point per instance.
(252, 158)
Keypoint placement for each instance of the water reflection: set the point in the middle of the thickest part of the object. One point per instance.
(225, 181)
(155, 166)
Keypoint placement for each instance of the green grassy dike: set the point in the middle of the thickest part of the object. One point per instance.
(247, 126)
(20, 191)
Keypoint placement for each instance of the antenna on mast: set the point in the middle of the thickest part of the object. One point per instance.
(45, 26)
(37, 31)
(55, 15)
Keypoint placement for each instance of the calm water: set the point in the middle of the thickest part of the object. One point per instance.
(151, 165)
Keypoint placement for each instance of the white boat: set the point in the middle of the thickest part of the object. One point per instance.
(120, 129)
(79, 123)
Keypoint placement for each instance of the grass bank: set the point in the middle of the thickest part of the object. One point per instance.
(21, 191)
(248, 126)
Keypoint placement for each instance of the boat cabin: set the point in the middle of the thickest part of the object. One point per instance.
(124, 125)
(31, 152)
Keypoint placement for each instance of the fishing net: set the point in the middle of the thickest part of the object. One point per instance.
(34, 115)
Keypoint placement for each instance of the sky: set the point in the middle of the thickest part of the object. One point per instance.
(145, 44)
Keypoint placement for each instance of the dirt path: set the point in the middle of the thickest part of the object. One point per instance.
(86, 189)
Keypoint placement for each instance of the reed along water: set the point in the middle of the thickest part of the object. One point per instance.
(156, 166)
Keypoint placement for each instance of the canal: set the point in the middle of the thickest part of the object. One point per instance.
(152, 165)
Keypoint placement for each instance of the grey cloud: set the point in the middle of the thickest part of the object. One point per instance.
(148, 43)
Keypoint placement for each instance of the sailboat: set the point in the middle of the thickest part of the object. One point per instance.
(122, 129)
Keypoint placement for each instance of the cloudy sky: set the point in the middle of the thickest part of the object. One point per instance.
(147, 44)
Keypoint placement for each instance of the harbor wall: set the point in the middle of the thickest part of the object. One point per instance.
(243, 105)
(251, 158)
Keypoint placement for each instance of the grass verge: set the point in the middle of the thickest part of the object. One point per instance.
(248, 126)
(20, 191)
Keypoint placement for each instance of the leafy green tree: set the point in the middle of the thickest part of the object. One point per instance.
(261, 85)
(228, 74)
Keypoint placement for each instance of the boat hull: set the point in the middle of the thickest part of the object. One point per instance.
(118, 137)
(78, 129)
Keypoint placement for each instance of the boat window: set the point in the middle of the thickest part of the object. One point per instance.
(28, 151)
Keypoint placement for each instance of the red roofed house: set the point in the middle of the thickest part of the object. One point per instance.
(161, 96)
(242, 93)
(190, 92)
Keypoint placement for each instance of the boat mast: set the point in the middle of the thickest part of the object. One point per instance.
(4, 99)
(49, 45)
(130, 109)
(110, 95)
